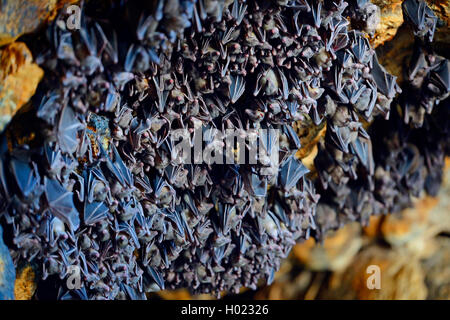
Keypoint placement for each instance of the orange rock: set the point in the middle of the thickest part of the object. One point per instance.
(309, 135)
(290, 286)
(408, 225)
(181, 294)
(302, 251)
(401, 277)
(439, 219)
(335, 253)
(393, 54)
(373, 228)
(415, 268)
(19, 78)
(184, 294)
(437, 270)
(18, 17)
(308, 160)
(391, 20)
(25, 284)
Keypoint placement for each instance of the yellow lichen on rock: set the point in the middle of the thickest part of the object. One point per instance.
(25, 284)
(391, 19)
(19, 78)
(18, 17)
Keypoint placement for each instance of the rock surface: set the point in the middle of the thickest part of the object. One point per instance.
(337, 251)
(18, 17)
(391, 20)
(7, 272)
(411, 248)
(401, 277)
(25, 284)
(437, 271)
(19, 78)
